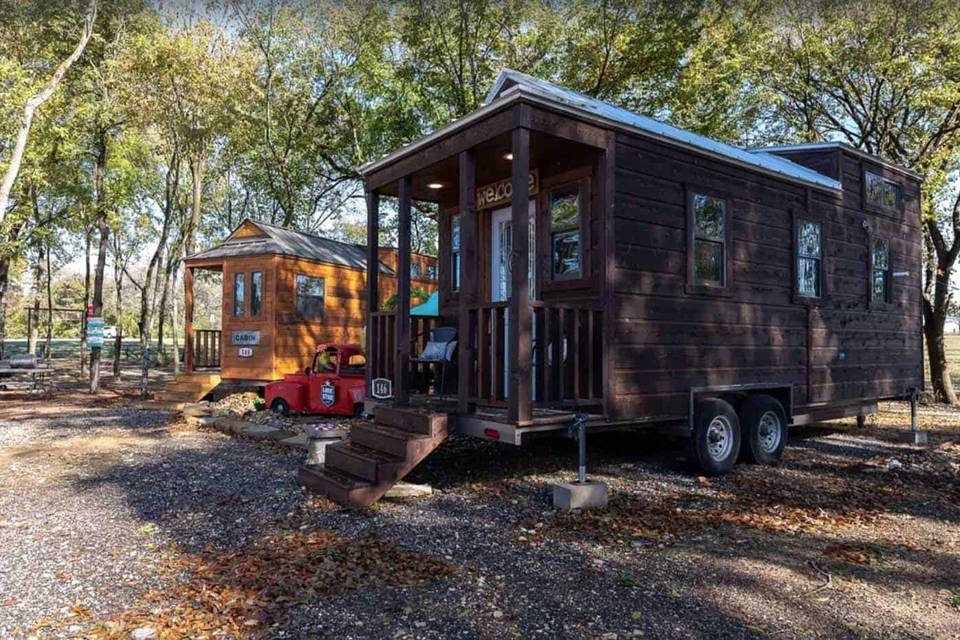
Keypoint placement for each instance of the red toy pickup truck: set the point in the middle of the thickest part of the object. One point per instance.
(334, 384)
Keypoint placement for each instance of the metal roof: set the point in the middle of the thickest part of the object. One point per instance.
(836, 144)
(287, 242)
(609, 113)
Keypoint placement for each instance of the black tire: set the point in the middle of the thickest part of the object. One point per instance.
(714, 445)
(280, 407)
(358, 410)
(764, 425)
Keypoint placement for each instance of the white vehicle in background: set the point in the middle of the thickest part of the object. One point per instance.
(109, 332)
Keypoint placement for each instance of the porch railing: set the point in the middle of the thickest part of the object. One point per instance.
(206, 348)
(380, 363)
(566, 359)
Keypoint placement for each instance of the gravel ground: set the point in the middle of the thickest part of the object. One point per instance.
(95, 502)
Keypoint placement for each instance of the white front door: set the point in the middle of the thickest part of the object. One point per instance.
(501, 274)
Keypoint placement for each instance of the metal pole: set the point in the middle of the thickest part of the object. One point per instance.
(581, 423)
(913, 410)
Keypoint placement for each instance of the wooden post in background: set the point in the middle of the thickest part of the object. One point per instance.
(373, 279)
(187, 320)
(519, 348)
(468, 278)
(402, 360)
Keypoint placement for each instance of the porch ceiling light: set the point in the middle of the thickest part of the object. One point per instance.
(508, 156)
(434, 185)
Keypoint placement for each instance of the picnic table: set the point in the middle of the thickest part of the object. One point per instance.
(39, 376)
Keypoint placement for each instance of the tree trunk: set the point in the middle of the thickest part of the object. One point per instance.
(34, 103)
(174, 321)
(99, 168)
(33, 325)
(936, 302)
(196, 177)
(49, 349)
(88, 242)
(118, 283)
(5, 263)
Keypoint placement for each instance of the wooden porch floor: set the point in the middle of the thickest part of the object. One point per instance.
(448, 404)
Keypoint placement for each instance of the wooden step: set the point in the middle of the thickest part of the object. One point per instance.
(360, 471)
(413, 420)
(360, 461)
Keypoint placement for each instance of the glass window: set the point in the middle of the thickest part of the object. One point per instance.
(881, 192)
(455, 252)
(709, 240)
(256, 293)
(809, 257)
(565, 213)
(431, 272)
(416, 270)
(239, 282)
(880, 277)
(310, 293)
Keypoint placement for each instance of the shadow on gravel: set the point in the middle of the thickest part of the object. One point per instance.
(204, 491)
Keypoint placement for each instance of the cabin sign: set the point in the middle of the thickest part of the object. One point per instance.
(381, 388)
(244, 338)
(328, 394)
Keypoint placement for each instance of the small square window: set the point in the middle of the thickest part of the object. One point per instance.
(883, 193)
(431, 272)
(416, 270)
(310, 296)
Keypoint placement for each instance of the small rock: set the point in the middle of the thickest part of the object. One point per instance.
(144, 633)
(498, 614)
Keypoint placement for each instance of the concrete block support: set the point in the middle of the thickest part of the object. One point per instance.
(580, 495)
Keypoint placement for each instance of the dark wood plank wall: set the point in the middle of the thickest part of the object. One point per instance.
(669, 341)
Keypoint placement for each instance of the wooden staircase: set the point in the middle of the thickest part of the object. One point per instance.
(188, 388)
(359, 471)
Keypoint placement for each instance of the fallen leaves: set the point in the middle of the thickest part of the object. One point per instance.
(240, 593)
(855, 554)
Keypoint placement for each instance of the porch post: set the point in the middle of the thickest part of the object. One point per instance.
(402, 360)
(373, 279)
(519, 405)
(188, 320)
(468, 278)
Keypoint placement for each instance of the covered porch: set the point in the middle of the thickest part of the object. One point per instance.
(523, 193)
(202, 348)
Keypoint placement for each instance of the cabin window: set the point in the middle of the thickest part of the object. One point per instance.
(566, 211)
(455, 252)
(310, 294)
(880, 271)
(431, 272)
(809, 258)
(709, 240)
(416, 270)
(256, 293)
(881, 192)
(239, 282)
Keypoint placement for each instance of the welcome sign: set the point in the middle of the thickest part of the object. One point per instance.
(501, 192)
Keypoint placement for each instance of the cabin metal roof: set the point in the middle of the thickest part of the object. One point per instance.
(512, 86)
(758, 158)
(278, 240)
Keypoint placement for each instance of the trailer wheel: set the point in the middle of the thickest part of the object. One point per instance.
(764, 428)
(280, 407)
(714, 445)
(358, 410)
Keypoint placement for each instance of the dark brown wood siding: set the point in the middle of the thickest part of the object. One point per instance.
(668, 340)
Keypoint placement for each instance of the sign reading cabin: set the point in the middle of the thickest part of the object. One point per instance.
(500, 192)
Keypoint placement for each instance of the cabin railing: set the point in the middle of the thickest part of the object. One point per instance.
(380, 363)
(567, 355)
(206, 348)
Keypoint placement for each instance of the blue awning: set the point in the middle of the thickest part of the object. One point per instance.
(429, 308)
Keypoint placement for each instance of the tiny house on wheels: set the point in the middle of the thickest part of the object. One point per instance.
(284, 292)
(602, 263)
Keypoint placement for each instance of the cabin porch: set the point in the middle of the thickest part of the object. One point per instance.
(526, 296)
(202, 348)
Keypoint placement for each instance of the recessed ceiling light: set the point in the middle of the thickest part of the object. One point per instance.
(508, 156)
(434, 185)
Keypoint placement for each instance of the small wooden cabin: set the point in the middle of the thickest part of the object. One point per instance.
(284, 292)
(604, 264)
